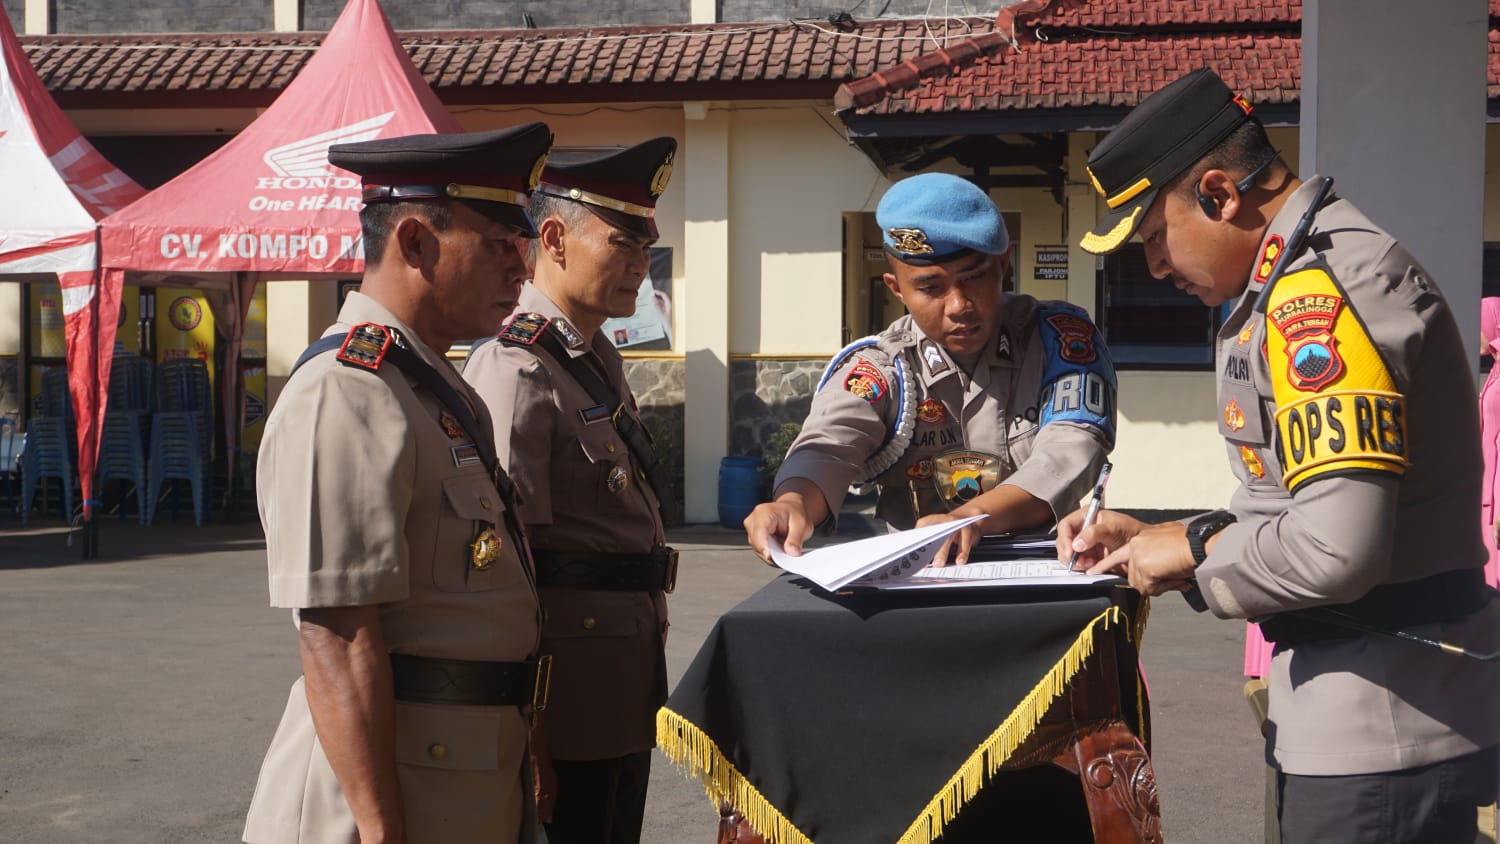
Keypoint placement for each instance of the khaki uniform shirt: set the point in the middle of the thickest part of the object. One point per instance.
(1372, 479)
(608, 665)
(1041, 399)
(366, 499)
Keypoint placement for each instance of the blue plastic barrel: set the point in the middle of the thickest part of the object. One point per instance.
(739, 489)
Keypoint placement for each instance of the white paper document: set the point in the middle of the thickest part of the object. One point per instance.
(899, 561)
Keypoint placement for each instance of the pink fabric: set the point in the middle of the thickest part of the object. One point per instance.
(1489, 417)
(1257, 652)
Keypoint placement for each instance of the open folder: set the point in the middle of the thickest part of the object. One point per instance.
(899, 561)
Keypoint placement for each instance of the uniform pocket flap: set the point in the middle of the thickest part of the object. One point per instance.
(600, 443)
(581, 625)
(457, 738)
(473, 497)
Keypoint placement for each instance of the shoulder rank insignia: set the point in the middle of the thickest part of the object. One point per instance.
(569, 334)
(524, 328)
(866, 381)
(933, 357)
(1268, 255)
(365, 346)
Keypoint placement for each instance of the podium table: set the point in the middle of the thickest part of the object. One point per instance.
(877, 717)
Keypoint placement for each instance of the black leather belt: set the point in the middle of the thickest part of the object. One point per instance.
(603, 570)
(1441, 598)
(463, 682)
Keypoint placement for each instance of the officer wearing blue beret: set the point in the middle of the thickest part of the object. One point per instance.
(976, 403)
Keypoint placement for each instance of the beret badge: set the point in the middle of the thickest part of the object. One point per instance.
(910, 242)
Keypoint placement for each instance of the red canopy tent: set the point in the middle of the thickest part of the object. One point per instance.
(57, 189)
(267, 205)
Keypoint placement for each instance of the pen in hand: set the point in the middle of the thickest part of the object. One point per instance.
(1095, 501)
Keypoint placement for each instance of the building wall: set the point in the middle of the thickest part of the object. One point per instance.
(114, 16)
(484, 14)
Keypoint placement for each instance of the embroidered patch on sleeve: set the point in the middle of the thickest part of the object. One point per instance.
(1337, 406)
(866, 381)
(1077, 374)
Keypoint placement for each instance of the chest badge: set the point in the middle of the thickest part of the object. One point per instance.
(962, 476)
(485, 549)
(932, 412)
(617, 481)
(451, 427)
(1234, 418)
(920, 470)
(1252, 462)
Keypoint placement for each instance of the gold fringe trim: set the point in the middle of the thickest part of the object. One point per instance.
(1002, 743)
(1140, 685)
(690, 748)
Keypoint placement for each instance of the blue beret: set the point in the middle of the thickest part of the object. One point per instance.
(933, 218)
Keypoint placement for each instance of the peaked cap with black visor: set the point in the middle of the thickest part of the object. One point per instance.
(619, 187)
(491, 172)
(1169, 131)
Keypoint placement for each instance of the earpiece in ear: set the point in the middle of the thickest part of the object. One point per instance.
(1207, 204)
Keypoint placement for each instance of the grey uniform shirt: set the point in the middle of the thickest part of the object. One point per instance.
(370, 495)
(581, 491)
(1040, 399)
(1373, 479)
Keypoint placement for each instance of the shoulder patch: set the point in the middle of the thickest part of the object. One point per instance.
(866, 381)
(365, 346)
(524, 328)
(1078, 376)
(1337, 406)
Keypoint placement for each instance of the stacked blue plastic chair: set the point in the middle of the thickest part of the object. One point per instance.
(181, 433)
(50, 444)
(122, 443)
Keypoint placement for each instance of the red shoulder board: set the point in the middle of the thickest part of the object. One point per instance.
(365, 346)
(524, 328)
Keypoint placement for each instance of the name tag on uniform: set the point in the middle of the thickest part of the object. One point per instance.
(465, 455)
(597, 413)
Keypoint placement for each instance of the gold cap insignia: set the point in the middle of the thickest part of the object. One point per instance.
(910, 241)
(536, 172)
(663, 175)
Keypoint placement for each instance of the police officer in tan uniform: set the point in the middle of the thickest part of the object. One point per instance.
(567, 430)
(1346, 404)
(975, 403)
(390, 532)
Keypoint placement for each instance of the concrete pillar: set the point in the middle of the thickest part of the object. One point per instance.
(297, 312)
(704, 11)
(38, 17)
(1081, 215)
(1393, 108)
(286, 15)
(705, 303)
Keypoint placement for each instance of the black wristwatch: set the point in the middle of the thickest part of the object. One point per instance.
(1201, 528)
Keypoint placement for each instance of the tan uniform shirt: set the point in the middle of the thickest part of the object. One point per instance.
(366, 499)
(608, 667)
(1045, 408)
(1374, 479)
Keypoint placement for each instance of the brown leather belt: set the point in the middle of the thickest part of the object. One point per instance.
(651, 572)
(463, 682)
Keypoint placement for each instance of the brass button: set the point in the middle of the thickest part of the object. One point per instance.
(485, 503)
(609, 447)
(437, 751)
(589, 622)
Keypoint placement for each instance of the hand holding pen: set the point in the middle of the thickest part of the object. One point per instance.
(1095, 502)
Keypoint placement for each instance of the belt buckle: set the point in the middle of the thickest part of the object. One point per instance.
(541, 685)
(669, 583)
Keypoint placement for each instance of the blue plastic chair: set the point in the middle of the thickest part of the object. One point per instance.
(123, 441)
(182, 386)
(176, 454)
(47, 455)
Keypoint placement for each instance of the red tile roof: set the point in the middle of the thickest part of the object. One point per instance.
(523, 65)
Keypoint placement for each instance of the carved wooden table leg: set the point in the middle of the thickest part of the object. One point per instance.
(734, 829)
(1119, 784)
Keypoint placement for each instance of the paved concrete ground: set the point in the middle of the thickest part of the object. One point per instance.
(139, 691)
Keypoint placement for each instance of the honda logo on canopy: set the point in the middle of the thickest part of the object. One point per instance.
(308, 157)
